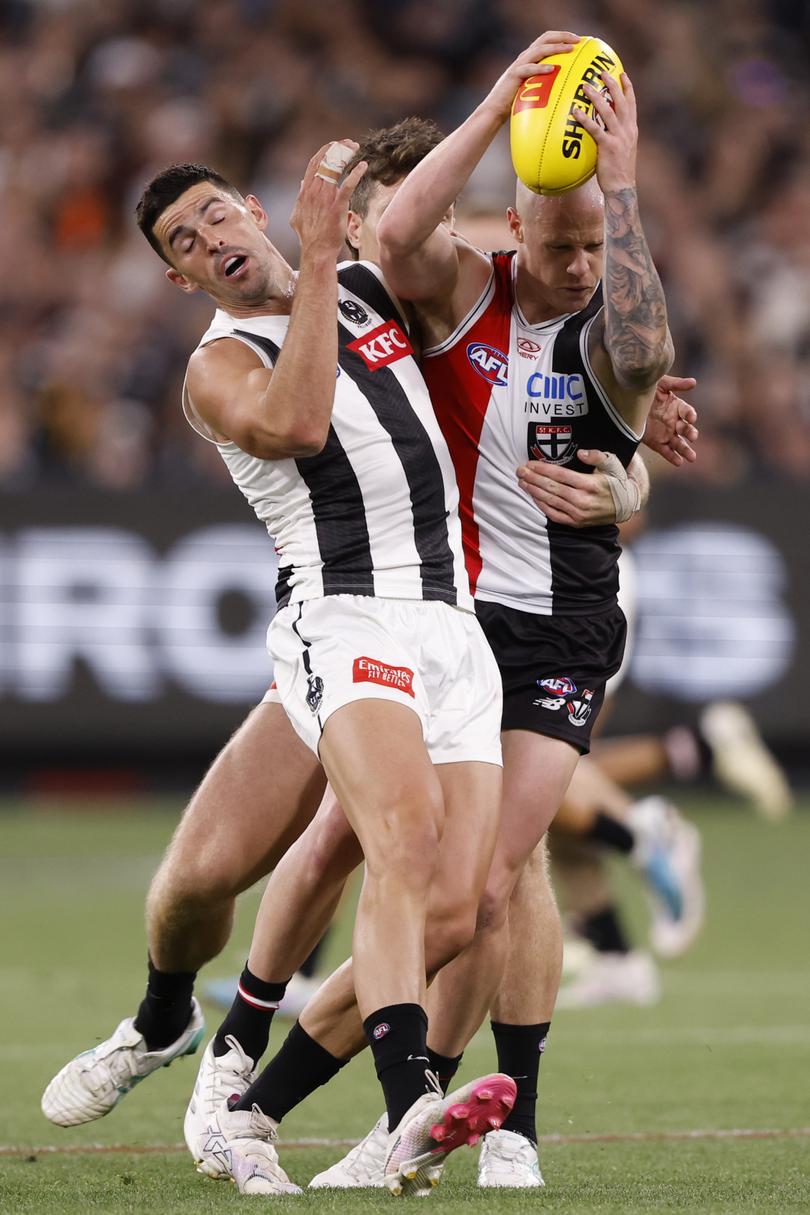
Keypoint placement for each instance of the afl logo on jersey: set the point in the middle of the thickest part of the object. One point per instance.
(552, 443)
(489, 362)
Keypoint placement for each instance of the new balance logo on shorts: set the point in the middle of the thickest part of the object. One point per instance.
(370, 670)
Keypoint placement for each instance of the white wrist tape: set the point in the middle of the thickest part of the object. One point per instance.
(334, 162)
(624, 491)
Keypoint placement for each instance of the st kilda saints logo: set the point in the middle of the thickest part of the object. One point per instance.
(551, 442)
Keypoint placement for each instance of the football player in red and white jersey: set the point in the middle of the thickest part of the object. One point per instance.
(539, 355)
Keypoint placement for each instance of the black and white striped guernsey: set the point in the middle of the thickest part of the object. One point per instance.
(375, 512)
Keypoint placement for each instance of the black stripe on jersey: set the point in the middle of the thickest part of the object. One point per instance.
(597, 429)
(338, 511)
(314, 682)
(418, 458)
(283, 585)
(584, 572)
(271, 349)
(364, 282)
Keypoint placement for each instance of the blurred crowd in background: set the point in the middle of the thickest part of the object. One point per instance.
(97, 97)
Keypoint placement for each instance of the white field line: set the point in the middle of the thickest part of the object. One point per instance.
(149, 1149)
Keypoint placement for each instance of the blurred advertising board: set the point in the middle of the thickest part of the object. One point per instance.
(135, 624)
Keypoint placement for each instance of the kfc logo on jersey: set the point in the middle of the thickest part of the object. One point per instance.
(354, 313)
(562, 686)
(489, 362)
(527, 349)
(580, 710)
(370, 670)
(385, 344)
(552, 443)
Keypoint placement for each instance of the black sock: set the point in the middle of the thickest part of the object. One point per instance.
(397, 1035)
(249, 1016)
(165, 1010)
(612, 832)
(604, 931)
(519, 1049)
(443, 1066)
(301, 1066)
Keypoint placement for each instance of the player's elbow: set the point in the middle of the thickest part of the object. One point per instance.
(643, 368)
(295, 443)
(393, 236)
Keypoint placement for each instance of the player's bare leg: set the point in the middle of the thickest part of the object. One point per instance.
(658, 842)
(232, 832)
(537, 771)
(303, 892)
(237, 826)
(725, 742)
(331, 1028)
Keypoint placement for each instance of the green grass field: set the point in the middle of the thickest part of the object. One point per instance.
(634, 1101)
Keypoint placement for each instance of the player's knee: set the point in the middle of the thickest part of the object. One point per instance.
(493, 907)
(405, 843)
(195, 875)
(449, 931)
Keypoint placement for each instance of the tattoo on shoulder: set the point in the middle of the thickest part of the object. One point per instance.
(635, 309)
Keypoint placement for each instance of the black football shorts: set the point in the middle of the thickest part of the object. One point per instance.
(554, 668)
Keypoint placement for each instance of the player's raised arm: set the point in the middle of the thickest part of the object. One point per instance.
(420, 258)
(286, 412)
(635, 335)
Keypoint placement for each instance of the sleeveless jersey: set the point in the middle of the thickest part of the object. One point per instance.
(505, 391)
(375, 512)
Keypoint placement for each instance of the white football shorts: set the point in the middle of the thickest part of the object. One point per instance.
(429, 656)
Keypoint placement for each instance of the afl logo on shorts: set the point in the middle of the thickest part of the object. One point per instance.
(552, 443)
(380, 1030)
(562, 686)
(489, 362)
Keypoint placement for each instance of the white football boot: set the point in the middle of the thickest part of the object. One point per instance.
(613, 978)
(362, 1167)
(96, 1080)
(240, 1144)
(667, 851)
(741, 762)
(435, 1126)
(508, 1161)
(219, 1077)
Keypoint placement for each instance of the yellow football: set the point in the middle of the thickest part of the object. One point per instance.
(551, 152)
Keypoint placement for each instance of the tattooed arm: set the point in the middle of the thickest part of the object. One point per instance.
(635, 332)
(633, 346)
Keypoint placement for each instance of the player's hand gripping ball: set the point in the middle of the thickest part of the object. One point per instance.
(551, 152)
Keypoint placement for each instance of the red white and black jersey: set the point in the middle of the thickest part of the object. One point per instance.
(375, 512)
(504, 392)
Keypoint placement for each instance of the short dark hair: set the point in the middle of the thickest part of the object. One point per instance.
(391, 153)
(165, 189)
